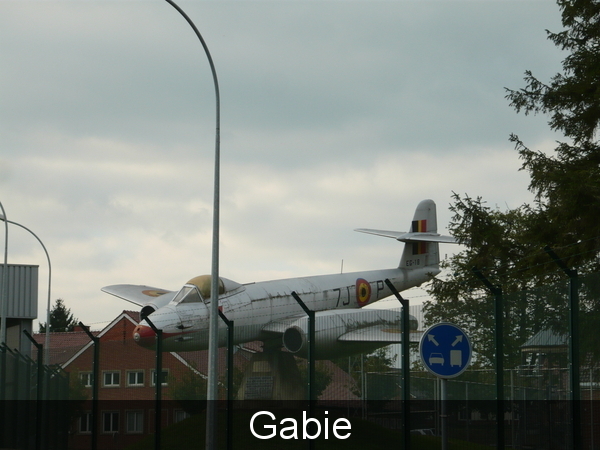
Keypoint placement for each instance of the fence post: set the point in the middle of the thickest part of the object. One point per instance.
(311, 361)
(95, 383)
(39, 390)
(229, 424)
(158, 385)
(3, 356)
(405, 357)
(574, 375)
(499, 343)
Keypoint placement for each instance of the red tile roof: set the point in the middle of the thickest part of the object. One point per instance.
(62, 345)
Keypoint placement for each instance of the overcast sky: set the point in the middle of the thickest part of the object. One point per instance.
(334, 115)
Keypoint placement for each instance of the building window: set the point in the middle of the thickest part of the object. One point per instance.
(110, 422)
(135, 378)
(135, 422)
(85, 422)
(112, 378)
(179, 415)
(86, 378)
(164, 377)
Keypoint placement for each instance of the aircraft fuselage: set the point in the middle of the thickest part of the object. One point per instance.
(264, 310)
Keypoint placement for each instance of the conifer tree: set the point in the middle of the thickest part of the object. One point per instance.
(508, 245)
(61, 318)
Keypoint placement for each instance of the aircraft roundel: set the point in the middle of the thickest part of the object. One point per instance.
(363, 292)
(154, 292)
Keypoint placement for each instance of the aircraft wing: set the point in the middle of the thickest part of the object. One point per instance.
(379, 333)
(140, 295)
(336, 330)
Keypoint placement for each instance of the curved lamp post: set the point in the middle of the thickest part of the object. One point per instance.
(212, 391)
(47, 337)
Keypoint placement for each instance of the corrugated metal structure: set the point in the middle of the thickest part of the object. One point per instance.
(22, 304)
(22, 291)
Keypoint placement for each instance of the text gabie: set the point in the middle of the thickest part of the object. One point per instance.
(289, 427)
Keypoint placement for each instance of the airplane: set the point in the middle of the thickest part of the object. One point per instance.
(267, 311)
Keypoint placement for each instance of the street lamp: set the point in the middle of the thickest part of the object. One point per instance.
(47, 337)
(213, 348)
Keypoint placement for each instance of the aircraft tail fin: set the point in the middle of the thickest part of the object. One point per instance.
(421, 248)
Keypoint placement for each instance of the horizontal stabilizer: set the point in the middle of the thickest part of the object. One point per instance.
(410, 237)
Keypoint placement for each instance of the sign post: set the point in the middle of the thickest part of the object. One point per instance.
(445, 351)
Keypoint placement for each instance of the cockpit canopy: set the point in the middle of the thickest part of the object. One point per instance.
(198, 289)
(203, 283)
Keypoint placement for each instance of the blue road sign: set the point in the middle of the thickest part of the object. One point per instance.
(445, 350)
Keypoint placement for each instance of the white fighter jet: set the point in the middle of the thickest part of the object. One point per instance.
(267, 311)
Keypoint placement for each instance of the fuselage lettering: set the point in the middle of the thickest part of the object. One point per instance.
(413, 262)
(343, 301)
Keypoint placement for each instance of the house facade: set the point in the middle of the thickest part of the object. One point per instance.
(127, 382)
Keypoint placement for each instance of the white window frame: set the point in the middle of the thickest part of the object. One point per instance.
(136, 373)
(138, 426)
(179, 415)
(114, 415)
(89, 378)
(153, 377)
(86, 417)
(112, 374)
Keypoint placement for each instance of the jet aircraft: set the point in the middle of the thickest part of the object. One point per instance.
(267, 311)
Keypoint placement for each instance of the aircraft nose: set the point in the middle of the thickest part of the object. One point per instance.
(144, 335)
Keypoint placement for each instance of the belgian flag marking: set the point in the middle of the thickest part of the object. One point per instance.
(363, 292)
(419, 226)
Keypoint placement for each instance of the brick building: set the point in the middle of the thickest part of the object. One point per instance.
(127, 381)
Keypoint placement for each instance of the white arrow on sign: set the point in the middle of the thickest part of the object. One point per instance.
(457, 340)
(431, 338)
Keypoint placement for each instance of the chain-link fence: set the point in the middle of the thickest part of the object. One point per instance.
(34, 413)
(115, 387)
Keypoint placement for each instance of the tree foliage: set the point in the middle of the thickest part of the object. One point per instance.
(323, 376)
(566, 184)
(61, 318)
(507, 246)
(189, 390)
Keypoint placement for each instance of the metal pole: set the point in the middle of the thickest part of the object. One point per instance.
(444, 413)
(405, 357)
(512, 408)
(592, 407)
(499, 343)
(157, 385)
(574, 375)
(4, 293)
(47, 335)
(39, 391)
(95, 383)
(213, 344)
(311, 350)
(468, 410)
(229, 425)
(363, 396)
(311, 361)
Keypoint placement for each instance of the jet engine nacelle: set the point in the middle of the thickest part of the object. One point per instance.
(158, 300)
(345, 332)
